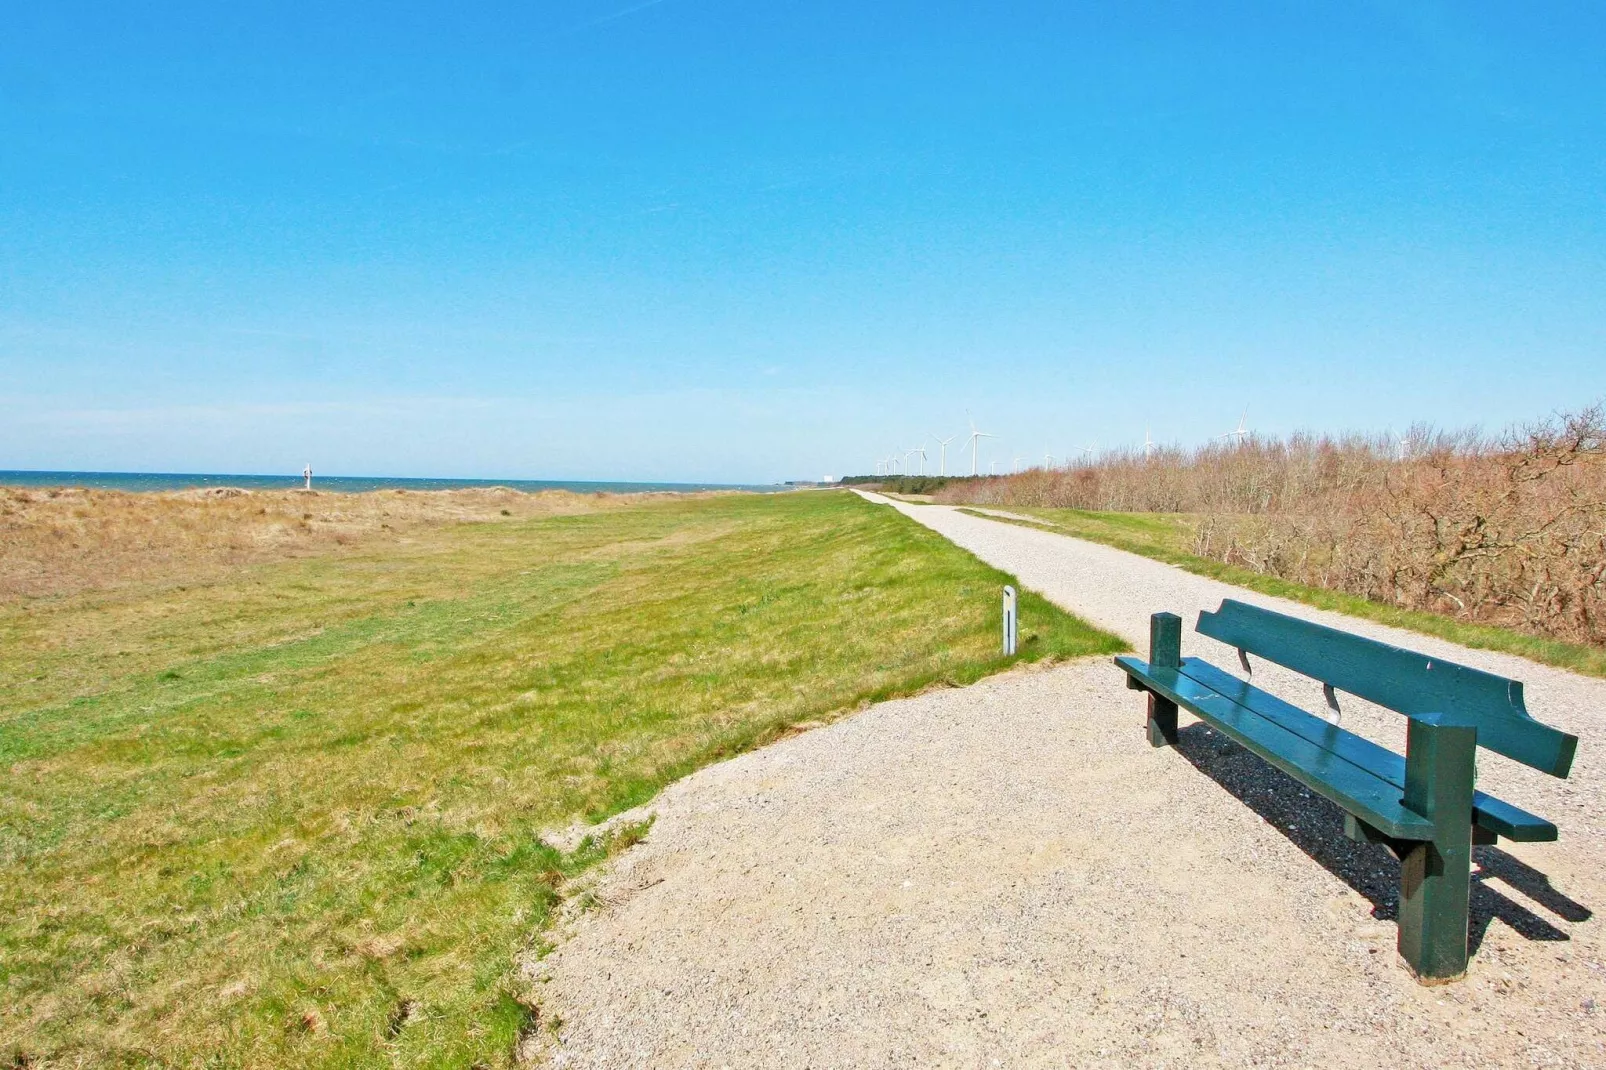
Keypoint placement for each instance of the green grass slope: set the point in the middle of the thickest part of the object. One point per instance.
(293, 817)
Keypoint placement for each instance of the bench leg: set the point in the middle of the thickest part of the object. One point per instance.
(1162, 722)
(1165, 652)
(1435, 876)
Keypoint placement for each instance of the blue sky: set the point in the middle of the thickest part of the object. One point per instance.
(703, 240)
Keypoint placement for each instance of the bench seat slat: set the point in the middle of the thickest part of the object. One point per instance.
(1353, 787)
(1495, 815)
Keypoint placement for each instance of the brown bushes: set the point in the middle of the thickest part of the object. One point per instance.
(1508, 531)
(1259, 476)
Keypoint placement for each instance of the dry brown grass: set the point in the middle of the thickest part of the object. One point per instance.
(61, 541)
(1507, 530)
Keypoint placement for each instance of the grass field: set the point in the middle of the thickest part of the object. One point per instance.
(1169, 537)
(293, 814)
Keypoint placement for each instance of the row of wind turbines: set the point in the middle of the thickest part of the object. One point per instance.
(889, 466)
(899, 462)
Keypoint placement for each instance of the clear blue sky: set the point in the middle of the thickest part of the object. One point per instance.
(707, 240)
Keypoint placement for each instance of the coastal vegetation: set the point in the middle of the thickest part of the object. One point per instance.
(300, 810)
(1503, 533)
(907, 484)
(1170, 537)
(60, 540)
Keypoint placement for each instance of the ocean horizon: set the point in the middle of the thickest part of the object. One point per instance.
(169, 481)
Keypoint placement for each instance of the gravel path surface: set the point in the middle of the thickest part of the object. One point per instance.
(1007, 875)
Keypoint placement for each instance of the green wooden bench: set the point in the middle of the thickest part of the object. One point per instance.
(1423, 806)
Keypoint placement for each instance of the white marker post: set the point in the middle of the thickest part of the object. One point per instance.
(1009, 621)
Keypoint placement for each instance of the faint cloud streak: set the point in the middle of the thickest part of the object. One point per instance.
(631, 10)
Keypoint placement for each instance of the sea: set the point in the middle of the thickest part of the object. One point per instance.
(159, 481)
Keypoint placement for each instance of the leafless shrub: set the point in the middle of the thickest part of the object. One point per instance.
(1508, 530)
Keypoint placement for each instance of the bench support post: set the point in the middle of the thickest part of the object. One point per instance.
(1165, 652)
(1435, 875)
(1361, 832)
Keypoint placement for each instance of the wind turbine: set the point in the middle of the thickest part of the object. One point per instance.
(1015, 467)
(1090, 450)
(920, 451)
(1240, 432)
(1148, 444)
(1048, 460)
(974, 435)
(943, 453)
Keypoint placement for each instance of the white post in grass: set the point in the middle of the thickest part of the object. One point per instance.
(1009, 621)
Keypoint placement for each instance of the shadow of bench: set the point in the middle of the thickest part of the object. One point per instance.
(1316, 826)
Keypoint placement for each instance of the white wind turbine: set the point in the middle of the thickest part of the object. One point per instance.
(1148, 444)
(1090, 450)
(942, 443)
(920, 451)
(1015, 467)
(974, 436)
(1240, 432)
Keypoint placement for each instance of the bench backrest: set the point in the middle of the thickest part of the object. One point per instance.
(1400, 680)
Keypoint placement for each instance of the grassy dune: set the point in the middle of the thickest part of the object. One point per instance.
(64, 540)
(293, 814)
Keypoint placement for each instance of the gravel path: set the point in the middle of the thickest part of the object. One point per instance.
(1007, 875)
